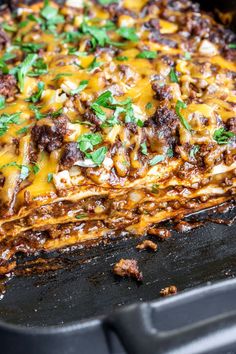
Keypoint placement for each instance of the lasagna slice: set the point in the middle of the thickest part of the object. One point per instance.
(114, 116)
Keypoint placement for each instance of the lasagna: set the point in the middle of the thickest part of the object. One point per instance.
(114, 116)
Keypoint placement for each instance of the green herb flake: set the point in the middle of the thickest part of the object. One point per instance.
(144, 148)
(122, 58)
(147, 54)
(98, 155)
(128, 33)
(37, 96)
(193, 151)
(149, 105)
(24, 170)
(8, 28)
(24, 68)
(59, 76)
(170, 153)
(232, 46)
(88, 140)
(50, 177)
(39, 68)
(107, 2)
(81, 216)
(187, 56)
(35, 169)
(2, 102)
(156, 159)
(155, 188)
(82, 85)
(181, 105)
(173, 76)
(22, 130)
(6, 120)
(222, 136)
(94, 64)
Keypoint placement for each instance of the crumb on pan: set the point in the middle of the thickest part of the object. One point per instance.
(147, 244)
(128, 268)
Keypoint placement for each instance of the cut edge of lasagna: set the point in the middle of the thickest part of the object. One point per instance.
(114, 116)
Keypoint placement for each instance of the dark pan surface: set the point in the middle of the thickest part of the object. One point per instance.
(90, 289)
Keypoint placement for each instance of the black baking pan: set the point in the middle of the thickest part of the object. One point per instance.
(83, 309)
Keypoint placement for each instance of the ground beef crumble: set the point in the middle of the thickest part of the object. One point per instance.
(147, 244)
(8, 85)
(128, 268)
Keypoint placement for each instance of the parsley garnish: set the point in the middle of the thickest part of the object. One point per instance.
(94, 64)
(122, 58)
(59, 76)
(6, 120)
(88, 140)
(36, 97)
(147, 54)
(81, 87)
(39, 115)
(181, 105)
(156, 159)
(128, 33)
(51, 17)
(194, 150)
(23, 130)
(81, 216)
(99, 35)
(39, 68)
(222, 136)
(50, 177)
(8, 28)
(232, 46)
(173, 76)
(35, 169)
(24, 68)
(24, 170)
(170, 152)
(98, 155)
(107, 2)
(2, 102)
(144, 148)
(3, 60)
(71, 37)
(31, 47)
(149, 105)
(187, 56)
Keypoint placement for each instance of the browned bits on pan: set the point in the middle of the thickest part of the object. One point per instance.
(161, 232)
(147, 244)
(128, 268)
(184, 226)
(169, 290)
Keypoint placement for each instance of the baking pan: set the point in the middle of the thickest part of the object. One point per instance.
(81, 308)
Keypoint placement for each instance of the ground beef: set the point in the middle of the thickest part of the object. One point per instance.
(91, 117)
(70, 155)
(147, 244)
(115, 11)
(169, 290)
(49, 137)
(231, 125)
(8, 85)
(161, 92)
(161, 232)
(128, 268)
(4, 39)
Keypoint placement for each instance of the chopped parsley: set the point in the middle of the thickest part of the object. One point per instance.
(181, 105)
(81, 216)
(149, 105)
(128, 33)
(24, 68)
(82, 85)
(39, 68)
(87, 141)
(173, 76)
(98, 155)
(99, 35)
(144, 148)
(24, 170)
(3, 65)
(122, 58)
(35, 169)
(37, 96)
(147, 54)
(232, 46)
(125, 107)
(6, 120)
(193, 151)
(8, 28)
(50, 177)
(187, 56)
(222, 136)
(39, 115)
(170, 153)
(31, 47)
(23, 130)
(2, 102)
(107, 2)
(94, 64)
(59, 76)
(51, 18)
(71, 37)
(156, 159)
